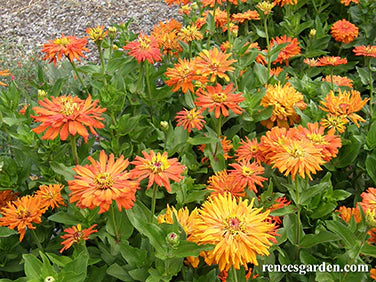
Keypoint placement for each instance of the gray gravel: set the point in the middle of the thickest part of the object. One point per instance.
(27, 24)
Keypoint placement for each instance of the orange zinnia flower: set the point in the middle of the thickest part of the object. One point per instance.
(146, 48)
(76, 234)
(347, 213)
(283, 99)
(100, 183)
(285, 2)
(369, 199)
(271, 141)
(278, 204)
(372, 239)
(367, 51)
(190, 119)
(344, 31)
(328, 143)
(214, 63)
(238, 231)
(22, 213)
(50, 195)
(4, 73)
(66, 115)
(248, 150)
(347, 2)
(291, 50)
(331, 61)
(211, 3)
(346, 104)
(158, 168)
(246, 16)
(372, 273)
(222, 182)
(248, 174)
(336, 122)
(311, 62)
(7, 196)
(183, 75)
(297, 157)
(220, 100)
(69, 46)
(166, 35)
(189, 34)
(339, 80)
(177, 2)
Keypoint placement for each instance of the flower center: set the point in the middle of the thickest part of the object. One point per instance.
(253, 149)
(62, 41)
(68, 106)
(22, 213)
(144, 43)
(296, 151)
(317, 138)
(158, 164)
(104, 180)
(247, 171)
(233, 226)
(219, 97)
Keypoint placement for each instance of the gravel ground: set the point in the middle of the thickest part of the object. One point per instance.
(27, 24)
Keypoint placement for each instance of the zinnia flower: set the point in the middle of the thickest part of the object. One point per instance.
(101, 182)
(369, 199)
(22, 213)
(347, 2)
(190, 119)
(372, 273)
(145, 48)
(4, 73)
(339, 80)
(177, 2)
(366, 51)
(238, 231)
(189, 34)
(158, 168)
(7, 196)
(214, 63)
(246, 16)
(290, 50)
(344, 31)
(183, 75)
(166, 35)
(219, 100)
(311, 62)
(97, 34)
(248, 150)
(331, 61)
(66, 115)
(336, 122)
(265, 7)
(76, 234)
(221, 182)
(283, 99)
(248, 174)
(69, 46)
(346, 104)
(285, 2)
(347, 213)
(50, 195)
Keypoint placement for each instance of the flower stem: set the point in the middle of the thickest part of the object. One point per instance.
(370, 89)
(116, 231)
(140, 76)
(331, 78)
(298, 223)
(79, 77)
(37, 240)
(74, 149)
(148, 86)
(267, 43)
(234, 276)
(228, 21)
(100, 51)
(153, 201)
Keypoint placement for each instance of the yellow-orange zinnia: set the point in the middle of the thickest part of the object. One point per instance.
(344, 31)
(66, 115)
(102, 182)
(50, 195)
(238, 231)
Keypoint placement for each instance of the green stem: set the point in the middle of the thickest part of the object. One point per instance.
(314, 6)
(228, 21)
(74, 149)
(267, 44)
(234, 276)
(141, 74)
(37, 240)
(100, 51)
(298, 223)
(116, 231)
(153, 201)
(78, 76)
(219, 126)
(331, 78)
(212, 28)
(371, 89)
(148, 86)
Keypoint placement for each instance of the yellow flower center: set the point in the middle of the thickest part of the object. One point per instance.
(158, 164)
(104, 180)
(62, 41)
(266, 7)
(253, 149)
(144, 42)
(68, 106)
(247, 171)
(233, 226)
(77, 235)
(317, 138)
(296, 151)
(22, 213)
(219, 97)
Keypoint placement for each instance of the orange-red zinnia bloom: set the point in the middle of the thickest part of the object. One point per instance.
(369, 199)
(330, 61)
(4, 73)
(344, 31)
(366, 51)
(372, 273)
(50, 195)
(69, 46)
(219, 100)
(102, 182)
(145, 48)
(22, 213)
(214, 63)
(158, 168)
(339, 80)
(347, 2)
(222, 182)
(237, 229)
(248, 174)
(285, 2)
(76, 234)
(190, 119)
(346, 104)
(347, 213)
(248, 150)
(66, 115)
(290, 50)
(7, 196)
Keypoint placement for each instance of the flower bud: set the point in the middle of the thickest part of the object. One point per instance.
(112, 32)
(312, 33)
(164, 125)
(49, 279)
(173, 239)
(41, 94)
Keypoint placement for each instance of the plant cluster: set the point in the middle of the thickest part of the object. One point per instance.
(244, 135)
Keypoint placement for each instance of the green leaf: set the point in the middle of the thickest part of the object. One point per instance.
(65, 218)
(32, 266)
(6, 232)
(342, 231)
(368, 250)
(371, 136)
(317, 189)
(75, 271)
(363, 74)
(348, 153)
(135, 257)
(63, 170)
(187, 248)
(59, 259)
(118, 272)
(323, 209)
(371, 167)
(124, 227)
(202, 140)
(323, 236)
(261, 73)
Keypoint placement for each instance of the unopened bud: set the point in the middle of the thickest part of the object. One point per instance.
(164, 125)
(41, 94)
(312, 33)
(112, 32)
(173, 239)
(49, 279)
